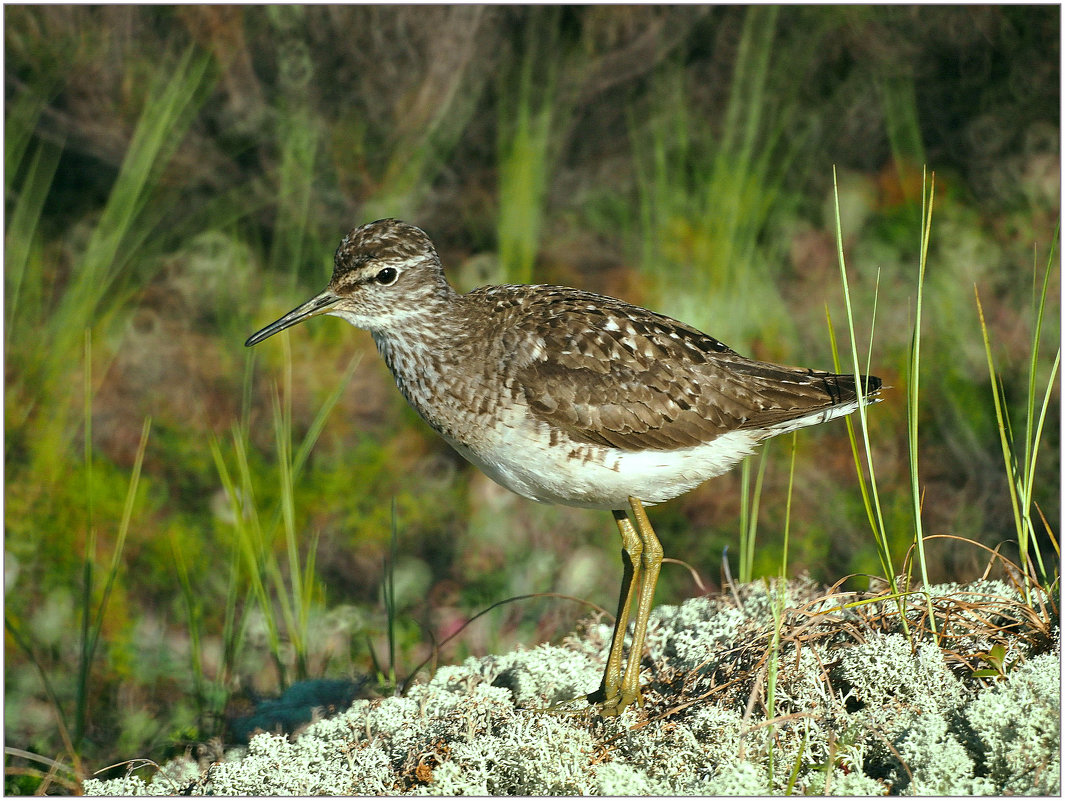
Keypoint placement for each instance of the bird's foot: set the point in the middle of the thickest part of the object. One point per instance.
(613, 704)
(567, 706)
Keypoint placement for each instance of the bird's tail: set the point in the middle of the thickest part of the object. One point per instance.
(843, 390)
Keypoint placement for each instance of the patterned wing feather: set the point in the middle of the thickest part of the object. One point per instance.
(614, 374)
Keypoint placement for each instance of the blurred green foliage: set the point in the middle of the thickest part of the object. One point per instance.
(177, 176)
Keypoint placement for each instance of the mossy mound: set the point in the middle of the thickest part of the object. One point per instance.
(856, 710)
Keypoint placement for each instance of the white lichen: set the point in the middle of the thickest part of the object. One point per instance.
(853, 702)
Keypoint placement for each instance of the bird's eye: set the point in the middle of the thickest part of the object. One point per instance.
(387, 276)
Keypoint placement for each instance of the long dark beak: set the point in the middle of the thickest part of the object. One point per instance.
(319, 304)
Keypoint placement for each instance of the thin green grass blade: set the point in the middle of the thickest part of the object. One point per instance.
(234, 624)
(309, 584)
(21, 233)
(749, 86)
(88, 572)
(123, 531)
(913, 390)
(797, 764)
(787, 505)
(1033, 438)
(193, 614)
(749, 503)
(863, 486)
(319, 421)
(745, 518)
(773, 664)
(1039, 306)
(898, 99)
(1007, 453)
(872, 324)
(299, 141)
(288, 596)
(81, 702)
(1030, 474)
(389, 589)
(247, 387)
(233, 627)
(880, 530)
(21, 115)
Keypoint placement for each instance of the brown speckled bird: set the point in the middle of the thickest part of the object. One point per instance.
(570, 397)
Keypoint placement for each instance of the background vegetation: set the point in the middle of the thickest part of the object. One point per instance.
(188, 523)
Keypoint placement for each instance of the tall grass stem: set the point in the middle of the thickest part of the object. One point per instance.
(749, 503)
(913, 393)
(870, 493)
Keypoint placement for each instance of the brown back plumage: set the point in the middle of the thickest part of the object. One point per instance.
(610, 373)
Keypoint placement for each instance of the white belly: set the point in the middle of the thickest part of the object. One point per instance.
(600, 477)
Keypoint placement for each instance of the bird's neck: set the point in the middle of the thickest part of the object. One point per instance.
(419, 349)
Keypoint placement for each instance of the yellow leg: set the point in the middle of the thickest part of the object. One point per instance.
(631, 549)
(651, 560)
(642, 554)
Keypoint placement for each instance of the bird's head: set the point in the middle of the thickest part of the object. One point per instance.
(386, 276)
